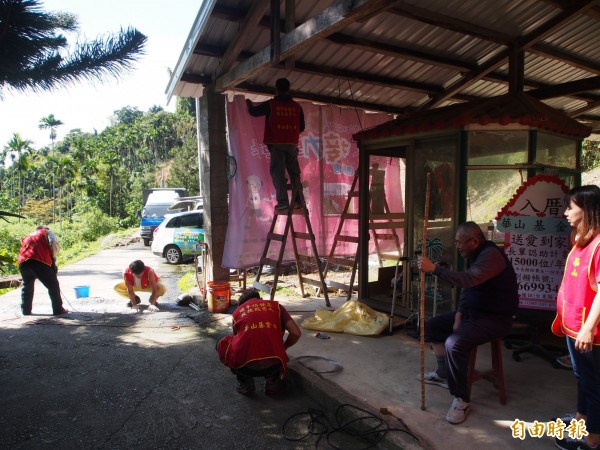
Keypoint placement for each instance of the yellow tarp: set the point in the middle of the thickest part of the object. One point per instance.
(352, 318)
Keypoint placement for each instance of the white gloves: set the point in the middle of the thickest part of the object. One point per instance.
(152, 308)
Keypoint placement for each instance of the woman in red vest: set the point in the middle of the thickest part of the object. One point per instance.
(578, 311)
(257, 348)
(37, 260)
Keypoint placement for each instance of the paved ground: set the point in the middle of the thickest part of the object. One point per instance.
(105, 377)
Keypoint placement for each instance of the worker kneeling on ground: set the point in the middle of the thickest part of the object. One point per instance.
(140, 278)
(257, 348)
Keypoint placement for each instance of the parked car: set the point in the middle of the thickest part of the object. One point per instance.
(157, 202)
(177, 237)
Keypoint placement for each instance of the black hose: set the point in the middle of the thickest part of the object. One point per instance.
(367, 429)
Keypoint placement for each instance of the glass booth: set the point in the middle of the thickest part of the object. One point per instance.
(475, 162)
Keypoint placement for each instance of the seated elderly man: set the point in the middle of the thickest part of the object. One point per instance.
(489, 299)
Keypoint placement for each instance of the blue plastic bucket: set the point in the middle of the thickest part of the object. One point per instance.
(82, 291)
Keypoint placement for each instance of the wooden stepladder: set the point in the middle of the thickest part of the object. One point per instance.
(297, 237)
(382, 227)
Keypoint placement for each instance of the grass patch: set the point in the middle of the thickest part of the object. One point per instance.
(188, 281)
(84, 249)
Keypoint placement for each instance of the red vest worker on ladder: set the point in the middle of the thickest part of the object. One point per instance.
(283, 124)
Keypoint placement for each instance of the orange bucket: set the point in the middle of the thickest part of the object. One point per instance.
(218, 296)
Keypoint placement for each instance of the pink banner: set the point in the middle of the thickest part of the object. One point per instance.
(328, 161)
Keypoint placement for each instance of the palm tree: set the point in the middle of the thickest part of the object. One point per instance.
(50, 122)
(17, 148)
(17, 145)
(34, 53)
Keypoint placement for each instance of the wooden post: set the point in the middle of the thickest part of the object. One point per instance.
(423, 297)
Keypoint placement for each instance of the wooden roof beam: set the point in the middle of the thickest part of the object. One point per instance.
(394, 51)
(424, 16)
(329, 21)
(236, 15)
(268, 90)
(463, 27)
(217, 52)
(237, 44)
(367, 78)
(563, 4)
(568, 88)
(589, 107)
(522, 43)
(573, 9)
(554, 53)
(324, 71)
(450, 23)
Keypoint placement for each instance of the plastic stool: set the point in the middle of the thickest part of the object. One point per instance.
(496, 375)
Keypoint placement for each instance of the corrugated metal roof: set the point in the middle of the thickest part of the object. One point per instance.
(406, 55)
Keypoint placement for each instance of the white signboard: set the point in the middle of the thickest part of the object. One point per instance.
(537, 239)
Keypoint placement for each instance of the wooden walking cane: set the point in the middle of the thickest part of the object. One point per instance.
(422, 305)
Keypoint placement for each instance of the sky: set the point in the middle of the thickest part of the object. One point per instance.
(90, 106)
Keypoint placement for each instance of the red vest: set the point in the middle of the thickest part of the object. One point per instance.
(35, 246)
(145, 281)
(258, 335)
(282, 126)
(577, 291)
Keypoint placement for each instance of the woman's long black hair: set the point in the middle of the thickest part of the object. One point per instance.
(588, 199)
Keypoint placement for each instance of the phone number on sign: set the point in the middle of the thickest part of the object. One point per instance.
(532, 286)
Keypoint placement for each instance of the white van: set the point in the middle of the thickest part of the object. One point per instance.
(177, 237)
(156, 206)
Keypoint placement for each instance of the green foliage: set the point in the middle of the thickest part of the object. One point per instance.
(102, 172)
(40, 211)
(87, 224)
(10, 243)
(34, 50)
(186, 106)
(184, 170)
(127, 115)
(9, 250)
(590, 156)
(187, 281)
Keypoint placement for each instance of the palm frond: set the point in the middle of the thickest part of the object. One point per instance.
(34, 55)
(4, 214)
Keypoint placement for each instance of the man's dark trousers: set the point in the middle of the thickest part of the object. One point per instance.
(460, 343)
(32, 270)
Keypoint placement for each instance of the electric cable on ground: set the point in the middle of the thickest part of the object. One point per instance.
(368, 428)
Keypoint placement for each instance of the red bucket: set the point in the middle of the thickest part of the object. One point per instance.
(219, 296)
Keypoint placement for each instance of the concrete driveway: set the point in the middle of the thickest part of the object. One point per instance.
(105, 377)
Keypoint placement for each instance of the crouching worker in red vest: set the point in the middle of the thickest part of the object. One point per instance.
(257, 348)
(140, 278)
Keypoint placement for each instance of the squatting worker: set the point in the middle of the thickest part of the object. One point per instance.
(37, 260)
(489, 298)
(138, 277)
(257, 348)
(283, 124)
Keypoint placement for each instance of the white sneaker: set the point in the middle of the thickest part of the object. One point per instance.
(458, 411)
(433, 378)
